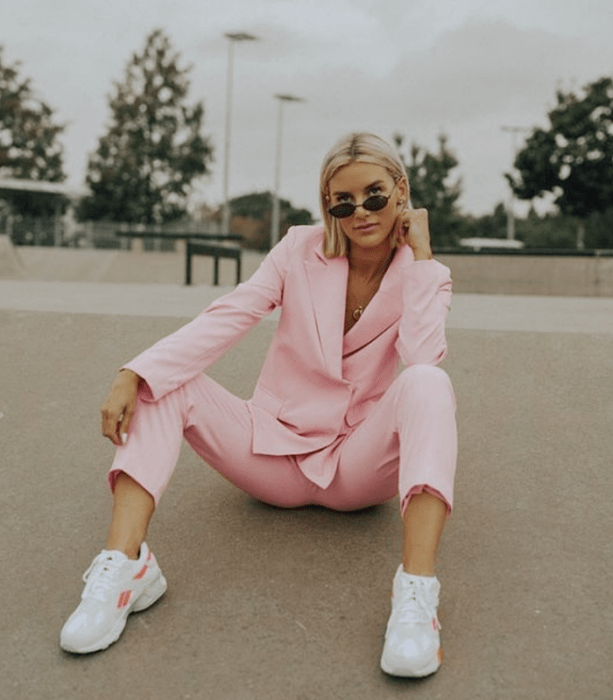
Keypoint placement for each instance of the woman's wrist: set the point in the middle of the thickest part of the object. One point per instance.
(128, 375)
(422, 253)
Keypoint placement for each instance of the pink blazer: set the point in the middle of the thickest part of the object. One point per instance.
(316, 384)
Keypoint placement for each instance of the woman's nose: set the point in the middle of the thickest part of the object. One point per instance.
(360, 210)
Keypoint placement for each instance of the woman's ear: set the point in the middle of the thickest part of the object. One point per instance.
(404, 195)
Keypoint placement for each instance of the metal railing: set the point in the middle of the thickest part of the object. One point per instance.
(215, 245)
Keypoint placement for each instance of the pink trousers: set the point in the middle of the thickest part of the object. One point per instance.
(406, 445)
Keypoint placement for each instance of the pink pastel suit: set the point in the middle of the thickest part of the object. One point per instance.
(331, 421)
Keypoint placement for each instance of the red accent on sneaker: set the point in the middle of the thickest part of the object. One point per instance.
(124, 598)
(142, 572)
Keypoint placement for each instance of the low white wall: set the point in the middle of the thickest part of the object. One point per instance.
(472, 274)
(532, 275)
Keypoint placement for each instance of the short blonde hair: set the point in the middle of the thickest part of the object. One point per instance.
(356, 147)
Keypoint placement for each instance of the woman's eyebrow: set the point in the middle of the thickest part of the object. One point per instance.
(342, 193)
(338, 193)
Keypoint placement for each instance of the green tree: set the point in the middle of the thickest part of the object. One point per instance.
(154, 148)
(599, 229)
(492, 225)
(433, 187)
(255, 211)
(29, 145)
(551, 230)
(572, 159)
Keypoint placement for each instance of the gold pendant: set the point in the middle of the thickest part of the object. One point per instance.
(358, 312)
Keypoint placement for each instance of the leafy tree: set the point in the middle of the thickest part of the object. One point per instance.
(29, 145)
(255, 210)
(599, 229)
(573, 158)
(551, 230)
(492, 225)
(432, 187)
(143, 167)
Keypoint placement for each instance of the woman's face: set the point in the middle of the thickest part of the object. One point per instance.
(356, 182)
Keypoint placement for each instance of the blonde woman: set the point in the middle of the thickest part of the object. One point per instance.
(331, 421)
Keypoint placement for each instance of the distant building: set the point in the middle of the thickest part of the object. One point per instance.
(62, 222)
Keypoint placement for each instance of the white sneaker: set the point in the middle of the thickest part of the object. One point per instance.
(412, 642)
(115, 586)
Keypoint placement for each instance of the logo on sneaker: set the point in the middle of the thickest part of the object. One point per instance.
(142, 572)
(124, 599)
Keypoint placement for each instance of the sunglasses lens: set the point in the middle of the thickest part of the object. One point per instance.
(341, 211)
(345, 209)
(375, 203)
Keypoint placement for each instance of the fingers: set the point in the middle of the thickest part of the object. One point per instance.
(414, 222)
(417, 227)
(124, 424)
(111, 421)
(417, 217)
(116, 422)
(118, 409)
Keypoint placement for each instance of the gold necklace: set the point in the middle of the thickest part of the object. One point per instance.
(357, 312)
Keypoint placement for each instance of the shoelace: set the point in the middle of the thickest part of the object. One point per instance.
(100, 576)
(417, 605)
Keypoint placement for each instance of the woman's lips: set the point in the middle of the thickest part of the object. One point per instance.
(366, 228)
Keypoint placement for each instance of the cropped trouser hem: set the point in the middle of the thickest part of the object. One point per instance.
(406, 445)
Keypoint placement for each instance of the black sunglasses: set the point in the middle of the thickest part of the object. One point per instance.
(376, 202)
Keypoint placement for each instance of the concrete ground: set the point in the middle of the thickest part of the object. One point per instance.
(291, 605)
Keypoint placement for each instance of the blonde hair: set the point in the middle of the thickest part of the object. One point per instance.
(359, 147)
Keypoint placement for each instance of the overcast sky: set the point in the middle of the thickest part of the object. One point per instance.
(418, 67)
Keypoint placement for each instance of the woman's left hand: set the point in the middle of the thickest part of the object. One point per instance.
(417, 232)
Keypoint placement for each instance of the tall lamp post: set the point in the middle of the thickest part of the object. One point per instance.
(513, 130)
(232, 37)
(274, 228)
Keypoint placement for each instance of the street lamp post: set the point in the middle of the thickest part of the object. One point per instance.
(274, 227)
(232, 38)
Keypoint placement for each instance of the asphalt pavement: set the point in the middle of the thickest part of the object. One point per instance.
(292, 604)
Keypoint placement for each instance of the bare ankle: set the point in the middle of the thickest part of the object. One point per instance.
(130, 550)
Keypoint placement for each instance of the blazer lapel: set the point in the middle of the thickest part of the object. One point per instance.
(328, 288)
(385, 307)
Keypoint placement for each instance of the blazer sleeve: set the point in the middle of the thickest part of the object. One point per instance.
(184, 354)
(426, 303)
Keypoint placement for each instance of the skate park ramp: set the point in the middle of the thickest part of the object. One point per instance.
(292, 604)
(11, 263)
(48, 264)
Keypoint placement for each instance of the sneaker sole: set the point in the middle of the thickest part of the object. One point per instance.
(426, 670)
(147, 598)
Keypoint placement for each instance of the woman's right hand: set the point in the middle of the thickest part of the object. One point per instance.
(118, 407)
